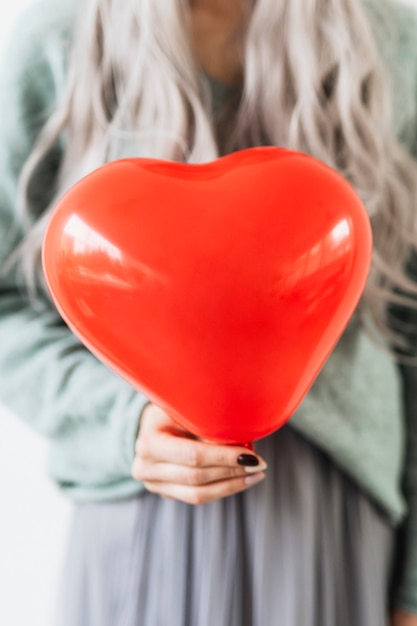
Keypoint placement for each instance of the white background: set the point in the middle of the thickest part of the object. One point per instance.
(33, 516)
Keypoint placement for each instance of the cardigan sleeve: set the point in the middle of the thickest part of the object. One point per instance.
(405, 583)
(405, 570)
(46, 376)
(405, 580)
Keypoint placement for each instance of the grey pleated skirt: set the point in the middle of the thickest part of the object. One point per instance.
(303, 548)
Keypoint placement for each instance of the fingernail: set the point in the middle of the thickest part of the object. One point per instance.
(255, 478)
(249, 460)
(257, 468)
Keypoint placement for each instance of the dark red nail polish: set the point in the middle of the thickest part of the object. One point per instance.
(248, 460)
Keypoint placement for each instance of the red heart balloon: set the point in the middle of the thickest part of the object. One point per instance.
(218, 290)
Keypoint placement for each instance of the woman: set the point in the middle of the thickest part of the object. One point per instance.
(313, 542)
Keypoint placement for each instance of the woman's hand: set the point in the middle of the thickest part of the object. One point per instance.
(403, 619)
(174, 464)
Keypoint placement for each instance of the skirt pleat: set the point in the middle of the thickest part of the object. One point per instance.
(306, 547)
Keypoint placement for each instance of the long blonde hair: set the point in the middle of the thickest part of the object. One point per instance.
(312, 81)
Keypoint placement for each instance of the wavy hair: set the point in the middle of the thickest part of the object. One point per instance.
(312, 81)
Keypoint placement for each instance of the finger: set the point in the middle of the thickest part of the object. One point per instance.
(156, 418)
(184, 475)
(204, 494)
(183, 451)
